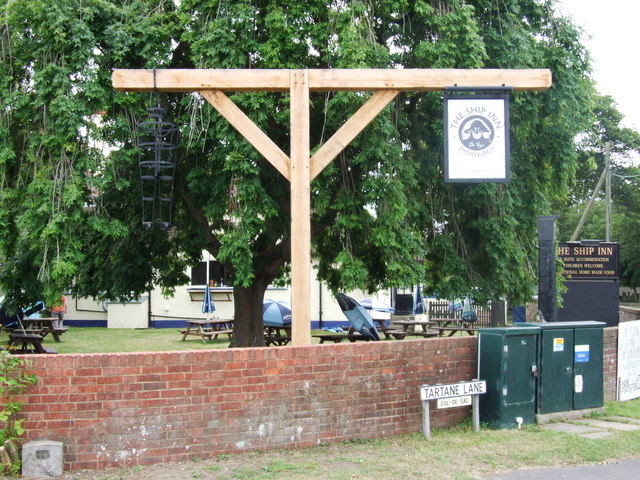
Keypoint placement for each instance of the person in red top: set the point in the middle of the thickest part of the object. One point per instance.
(58, 310)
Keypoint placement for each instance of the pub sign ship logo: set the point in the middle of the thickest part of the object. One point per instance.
(477, 130)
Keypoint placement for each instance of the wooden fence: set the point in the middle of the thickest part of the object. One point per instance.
(442, 310)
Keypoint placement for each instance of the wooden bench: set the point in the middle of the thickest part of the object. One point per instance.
(428, 334)
(401, 334)
(330, 337)
(215, 333)
(29, 331)
(56, 332)
(339, 337)
(453, 330)
(277, 340)
(277, 335)
(208, 333)
(205, 329)
(43, 332)
(397, 334)
(19, 343)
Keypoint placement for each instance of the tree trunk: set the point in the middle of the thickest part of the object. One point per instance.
(247, 325)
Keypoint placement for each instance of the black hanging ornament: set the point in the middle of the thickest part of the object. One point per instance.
(157, 139)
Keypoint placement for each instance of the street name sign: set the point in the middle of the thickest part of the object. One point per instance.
(450, 396)
(434, 392)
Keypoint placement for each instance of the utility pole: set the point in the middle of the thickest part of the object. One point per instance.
(587, 209)
(607, 169)
(606, 179)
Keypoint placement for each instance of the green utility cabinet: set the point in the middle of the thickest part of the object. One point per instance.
(507, 361)
(571, 366)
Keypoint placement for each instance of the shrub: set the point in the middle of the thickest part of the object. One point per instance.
(13, 383)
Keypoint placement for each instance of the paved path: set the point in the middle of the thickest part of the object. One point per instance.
(596, 428)
(587, 428)
(623, 469)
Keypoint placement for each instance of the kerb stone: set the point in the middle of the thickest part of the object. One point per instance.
(42, 459)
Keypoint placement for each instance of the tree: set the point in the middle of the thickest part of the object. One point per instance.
(624, 143)
(382, 215)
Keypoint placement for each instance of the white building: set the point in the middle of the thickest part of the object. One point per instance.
(154, 310)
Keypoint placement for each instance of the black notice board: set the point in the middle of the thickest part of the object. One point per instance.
(591, 300)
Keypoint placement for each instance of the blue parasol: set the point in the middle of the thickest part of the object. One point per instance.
(377, 305)
(418, 302)
(358, 316)
(14, 321)
(276, 313)
(207, 304)
(9, 321)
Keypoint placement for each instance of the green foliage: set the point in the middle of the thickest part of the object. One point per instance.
(14, 381)
(625, 182)
(382, 215)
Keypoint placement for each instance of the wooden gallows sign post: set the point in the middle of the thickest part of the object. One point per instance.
(299, 167)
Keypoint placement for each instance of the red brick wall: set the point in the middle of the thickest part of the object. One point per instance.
(610, 363)
(142, 408)
(629, 314)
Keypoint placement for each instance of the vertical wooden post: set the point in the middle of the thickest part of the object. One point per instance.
(300, 209)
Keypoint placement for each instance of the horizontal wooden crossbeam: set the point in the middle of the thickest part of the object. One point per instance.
(178, 80)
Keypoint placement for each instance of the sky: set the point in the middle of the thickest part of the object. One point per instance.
(611, 35)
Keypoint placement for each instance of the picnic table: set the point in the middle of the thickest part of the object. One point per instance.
(277, 335)
(42, 326)
(351, 335)
(27, 343)
(451, 326)
(338, 337)
(433, 327)
(205, 329)
(381, 326)
(422, 328)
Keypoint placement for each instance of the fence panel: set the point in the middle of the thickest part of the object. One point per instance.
(441, 310)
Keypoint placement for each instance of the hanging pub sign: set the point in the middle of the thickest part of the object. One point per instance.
(476, 134)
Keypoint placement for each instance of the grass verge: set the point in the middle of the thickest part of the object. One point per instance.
(455, 453)
(113, 340)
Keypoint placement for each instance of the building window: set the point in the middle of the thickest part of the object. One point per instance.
(216, 274)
